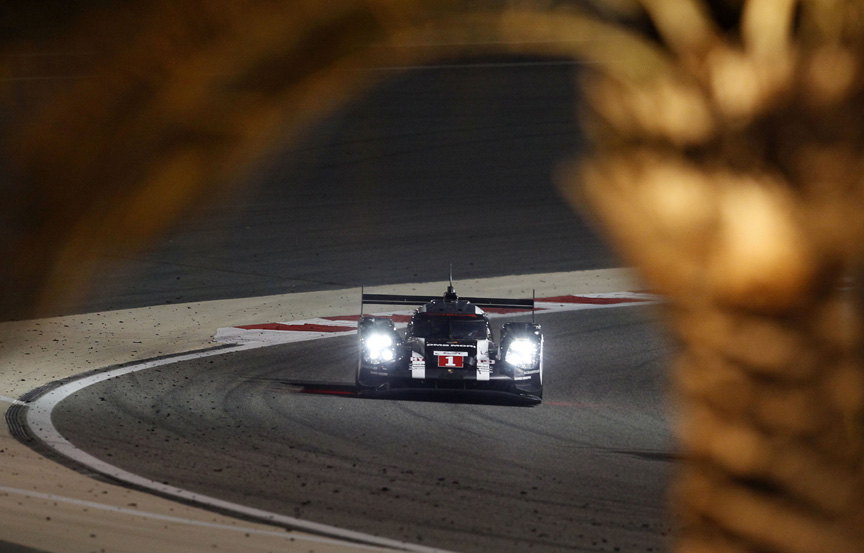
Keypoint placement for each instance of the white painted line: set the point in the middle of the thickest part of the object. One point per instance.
(326, 322)
(39, 423)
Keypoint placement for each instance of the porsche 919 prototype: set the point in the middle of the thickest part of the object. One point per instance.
(449, 344)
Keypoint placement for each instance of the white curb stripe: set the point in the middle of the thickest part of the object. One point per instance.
(39, 423)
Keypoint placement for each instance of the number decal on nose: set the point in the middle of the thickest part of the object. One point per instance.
(451, 359)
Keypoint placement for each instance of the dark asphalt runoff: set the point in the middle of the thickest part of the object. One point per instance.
(441, 165)
(586, 470)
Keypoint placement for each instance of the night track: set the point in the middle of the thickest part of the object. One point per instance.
(277, 429)
(444, 165)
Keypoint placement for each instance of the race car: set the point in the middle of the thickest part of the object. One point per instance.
(449, 344)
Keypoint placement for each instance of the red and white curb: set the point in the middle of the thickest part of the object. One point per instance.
(342, 325)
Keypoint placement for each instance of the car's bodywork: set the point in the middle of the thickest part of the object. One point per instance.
(449, 344)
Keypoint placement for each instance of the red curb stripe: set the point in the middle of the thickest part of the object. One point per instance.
(591, 301)
(305, 327)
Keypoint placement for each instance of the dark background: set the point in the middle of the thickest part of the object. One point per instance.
(450, 163)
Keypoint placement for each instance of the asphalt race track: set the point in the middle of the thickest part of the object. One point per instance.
(278, 429)
(442, 166)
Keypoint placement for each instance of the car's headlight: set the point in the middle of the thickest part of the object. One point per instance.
(521, 353)
(379, 348)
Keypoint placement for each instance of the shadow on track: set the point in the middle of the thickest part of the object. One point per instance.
(475, 397)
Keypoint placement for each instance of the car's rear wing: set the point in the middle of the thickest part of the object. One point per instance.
(398, 299)
(486, 303)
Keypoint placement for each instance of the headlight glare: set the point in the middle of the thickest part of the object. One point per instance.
(379, 347)
(521, 353)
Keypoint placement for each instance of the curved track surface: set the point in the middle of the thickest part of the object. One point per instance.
(444, 165)
(584, 471)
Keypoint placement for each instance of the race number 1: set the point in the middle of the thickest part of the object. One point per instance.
(451, 359)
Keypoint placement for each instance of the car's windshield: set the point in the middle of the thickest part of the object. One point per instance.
(474, 329)
(449, 328)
